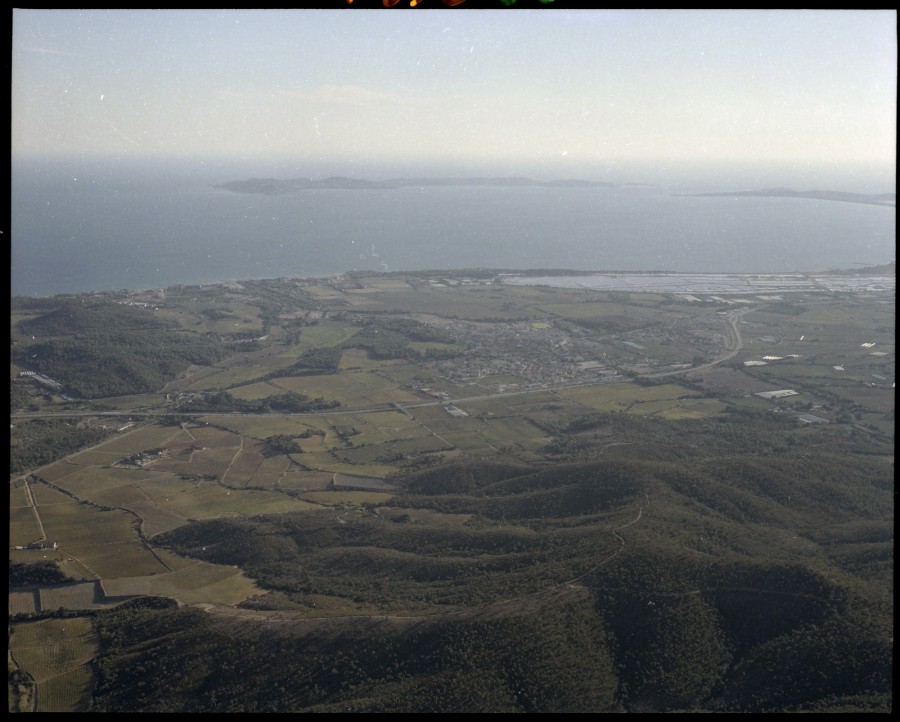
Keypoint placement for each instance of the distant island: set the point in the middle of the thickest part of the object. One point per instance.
(275, 186)
(878, 199)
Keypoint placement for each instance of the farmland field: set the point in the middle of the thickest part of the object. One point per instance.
(23, 527)
(350, 389)
(585, 484)
(148, 437)
(198, 582)
(72, 596)
(203, 500)
(96, 458)
(56, 653)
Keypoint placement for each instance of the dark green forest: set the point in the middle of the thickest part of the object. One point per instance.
(721, 580)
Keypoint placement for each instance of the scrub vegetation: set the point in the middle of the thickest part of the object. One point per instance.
(537, 500)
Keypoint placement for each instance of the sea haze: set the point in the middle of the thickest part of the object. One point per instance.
(80, 227)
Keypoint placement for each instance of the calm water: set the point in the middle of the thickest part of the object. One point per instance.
(75, 231)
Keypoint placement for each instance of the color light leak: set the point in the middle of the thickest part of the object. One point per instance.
(450, 3)
(414, 3)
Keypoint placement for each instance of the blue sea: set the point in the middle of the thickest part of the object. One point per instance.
(94, 227)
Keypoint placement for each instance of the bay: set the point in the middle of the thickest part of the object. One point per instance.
(116, 228)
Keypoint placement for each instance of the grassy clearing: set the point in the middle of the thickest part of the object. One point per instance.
(364, 483)
(693, 409)
(211, 436)
(423, 346)
(513, 431)
(731, 380)
(96, 458)
(205, 500)
(198, 378)
(313, 460)
(424, 516)
(323, 291)
(470, 443)
(198, 583)
(261, 427)
(323, 334)
(384, 284)
(600, 311)
(465, 303)
(445, 423)
(365, 430)
(623, 395)
(350, 389)
(491, 382)
(137, 401)
(407, 373)
(687, 409)
(148, 437)
(302, 480)
(420, 445)
(394, 424)
(354, 498)
(362, 468)
(877, 399)
(240, 375)
(252, 392)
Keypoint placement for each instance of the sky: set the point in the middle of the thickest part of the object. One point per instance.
(461, 86)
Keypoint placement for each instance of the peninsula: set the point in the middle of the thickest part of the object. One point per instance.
(275, 186)
(878, 199)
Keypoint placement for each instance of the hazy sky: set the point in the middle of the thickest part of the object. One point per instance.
(459, 85)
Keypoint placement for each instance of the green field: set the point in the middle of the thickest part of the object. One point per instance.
(138, 439)
(353, 389)
(205, 500)
(324, 334)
